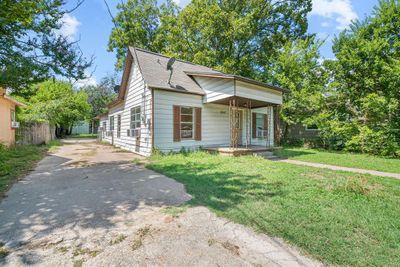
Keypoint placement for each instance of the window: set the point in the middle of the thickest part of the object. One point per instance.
(13, 118)
(119, 126)
(112, 123)
(135, 117)
(260, 125)
(104, 126)
(187, 126)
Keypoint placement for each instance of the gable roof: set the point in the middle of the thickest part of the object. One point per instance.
(153, 67)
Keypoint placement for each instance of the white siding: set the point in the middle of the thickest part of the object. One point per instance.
(137, 95)
(251, 91)
(218, 88)
(215, 88)
(215, 121)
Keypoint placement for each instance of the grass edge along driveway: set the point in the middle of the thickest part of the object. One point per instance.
(18, 160)
(352, 160)
(337, 217)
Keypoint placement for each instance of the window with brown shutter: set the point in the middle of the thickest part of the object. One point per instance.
(176, 123)
(197, 135)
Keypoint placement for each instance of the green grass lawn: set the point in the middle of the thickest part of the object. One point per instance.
(342, 159)
(338, 217)
(19, 160)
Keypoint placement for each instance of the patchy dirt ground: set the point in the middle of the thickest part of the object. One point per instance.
(88, 204)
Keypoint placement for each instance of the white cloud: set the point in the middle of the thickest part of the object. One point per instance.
(341, 10)
(69, 26)
(177, 2)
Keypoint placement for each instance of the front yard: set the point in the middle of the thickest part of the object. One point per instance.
(351, 160)
(337, 217)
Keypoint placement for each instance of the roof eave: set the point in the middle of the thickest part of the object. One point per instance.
(238, 78)
(17, 103)
(173, 90)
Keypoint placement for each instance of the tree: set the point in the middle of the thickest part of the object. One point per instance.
(59, 104)
(365, 90)
(297, 67)
(31, 50)
(99, 96)
(240, 37)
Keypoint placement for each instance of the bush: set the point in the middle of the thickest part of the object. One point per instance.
(376, 142)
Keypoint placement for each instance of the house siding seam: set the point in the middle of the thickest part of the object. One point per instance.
(137, 94)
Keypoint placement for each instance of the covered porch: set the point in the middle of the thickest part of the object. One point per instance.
(253, 126)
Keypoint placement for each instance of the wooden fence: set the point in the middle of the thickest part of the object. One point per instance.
(35, 133)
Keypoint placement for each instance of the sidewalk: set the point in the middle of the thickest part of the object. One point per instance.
(339, 168)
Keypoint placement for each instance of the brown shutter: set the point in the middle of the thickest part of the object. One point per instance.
(265, 121)
(197, 116)
(177, 123)
(253, 123)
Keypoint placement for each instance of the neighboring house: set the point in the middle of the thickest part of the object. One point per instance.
(166, 105)
(8, 122)
(81, 127)
(302, 132)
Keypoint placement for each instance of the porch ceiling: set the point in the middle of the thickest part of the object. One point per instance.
(243, 102)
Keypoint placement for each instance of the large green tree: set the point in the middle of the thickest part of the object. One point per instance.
(59, 104)
(298, 68)
(31, 48)
(362, 111)
(235, 36)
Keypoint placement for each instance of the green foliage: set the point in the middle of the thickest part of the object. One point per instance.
(99, 96)
(240, 37)
(376, 142)
(31, 48)
(361, 111)
(297, 68)
(57, 103)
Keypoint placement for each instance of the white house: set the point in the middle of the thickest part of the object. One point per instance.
(167, 104)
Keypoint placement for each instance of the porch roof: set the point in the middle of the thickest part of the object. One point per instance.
(242, 102)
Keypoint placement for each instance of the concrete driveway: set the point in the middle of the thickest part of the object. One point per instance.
(90, 204)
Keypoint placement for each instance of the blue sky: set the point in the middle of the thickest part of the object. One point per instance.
(91, 25)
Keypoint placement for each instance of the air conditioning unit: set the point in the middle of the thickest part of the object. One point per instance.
(133, 132)
(15, 124)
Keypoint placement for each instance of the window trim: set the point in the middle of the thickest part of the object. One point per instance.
(112, 122)
(185, 122)
(119, 123)
(12, 111)
(135, 121)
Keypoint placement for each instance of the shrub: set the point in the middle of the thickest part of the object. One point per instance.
(372, 141)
